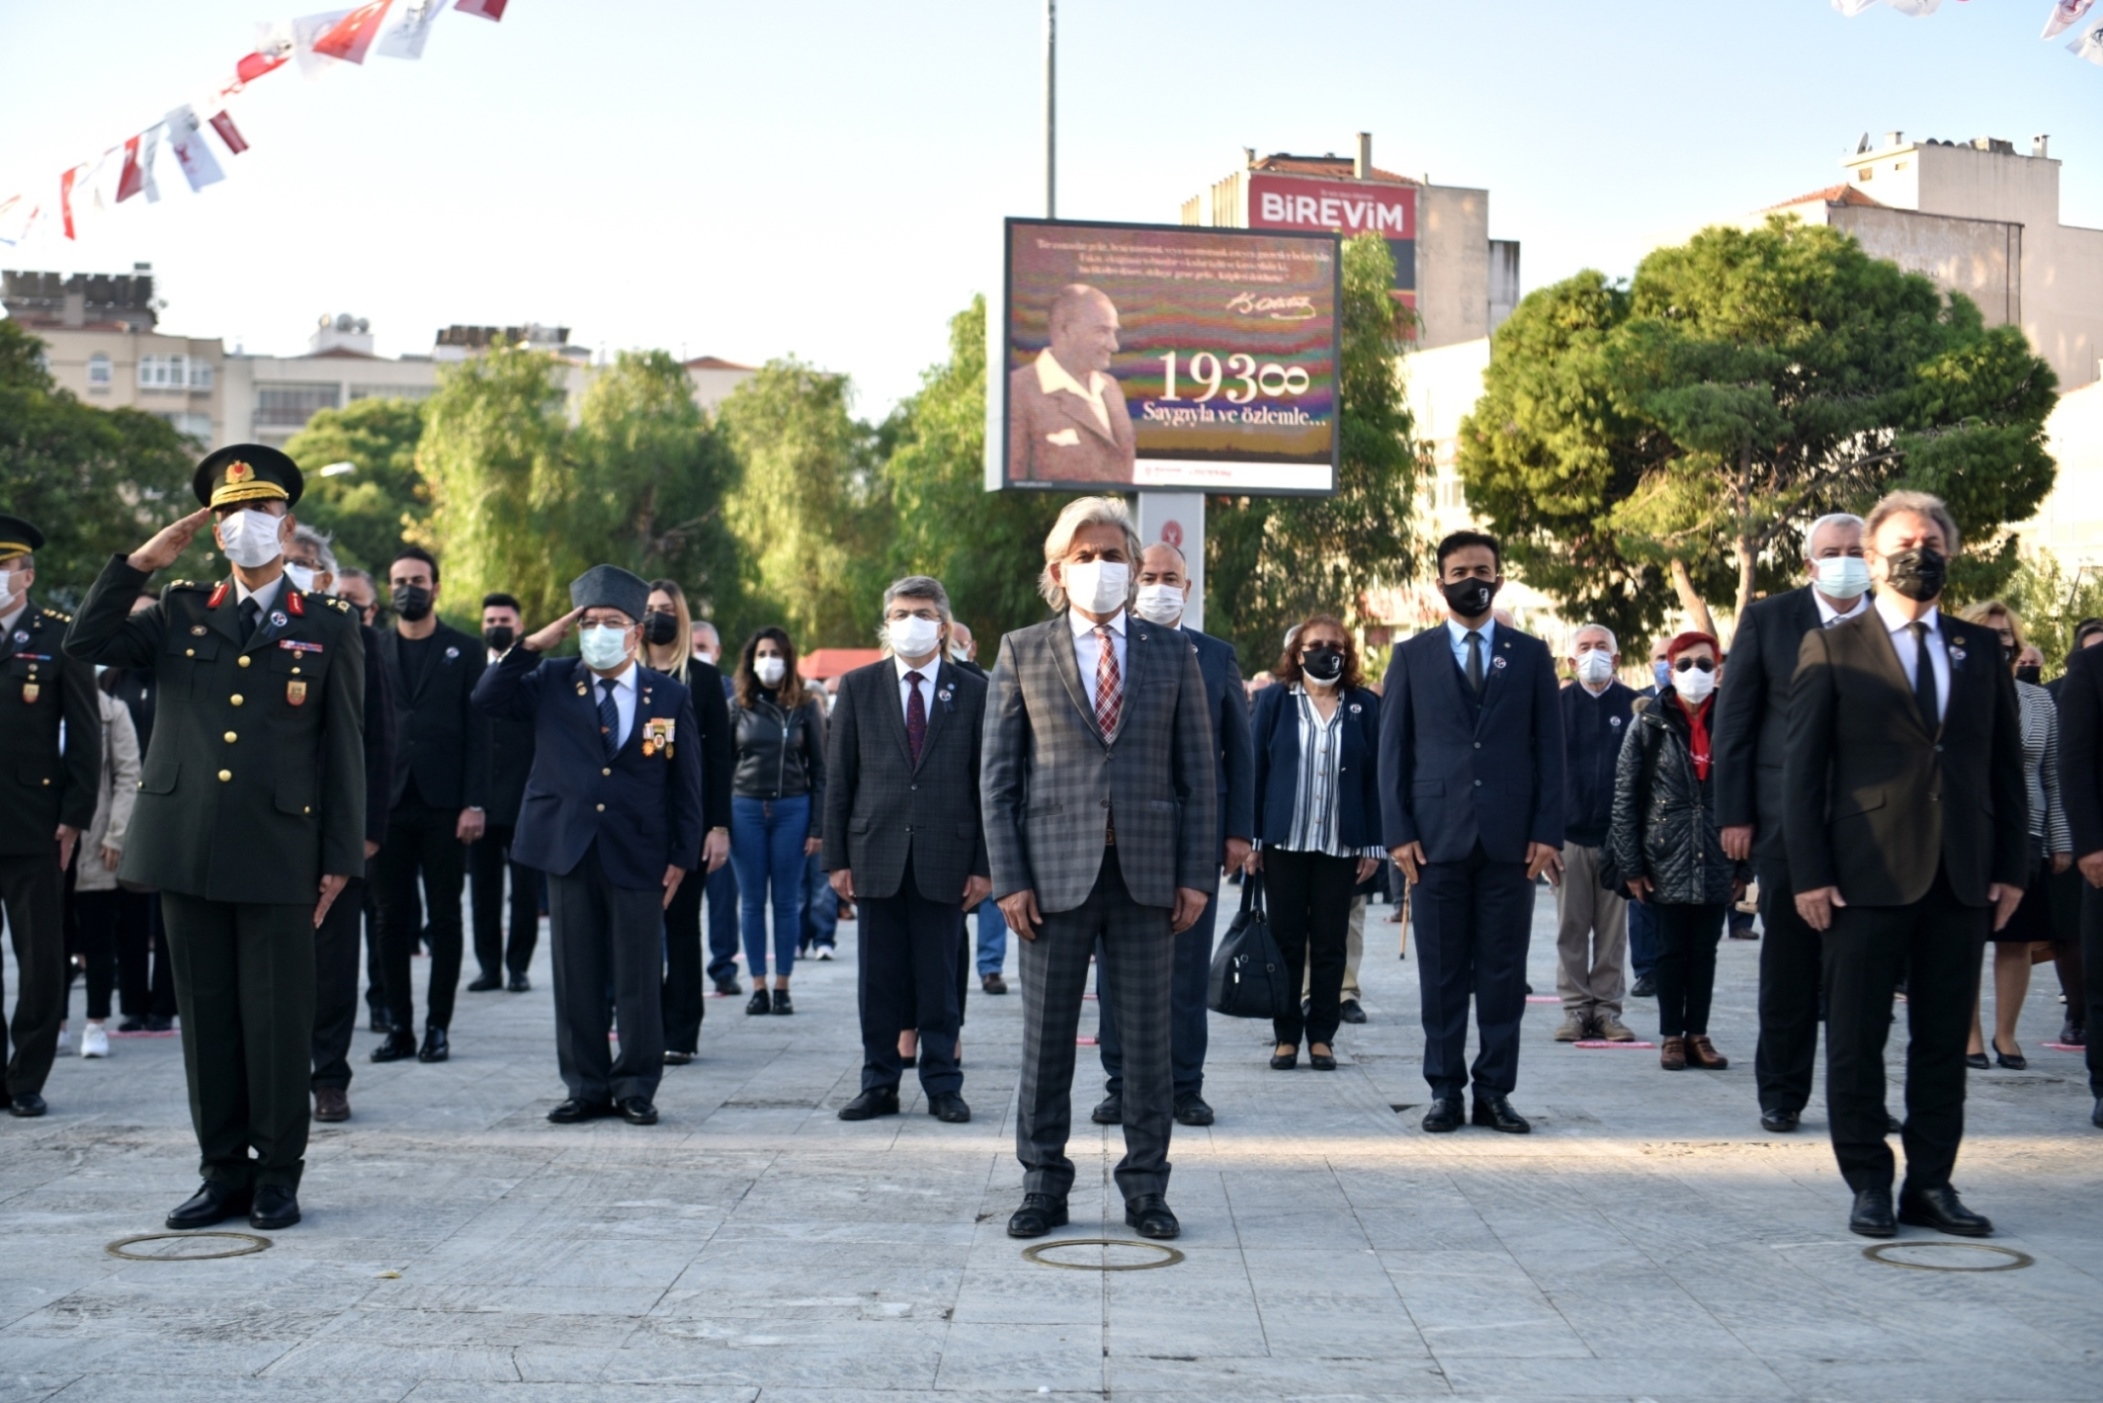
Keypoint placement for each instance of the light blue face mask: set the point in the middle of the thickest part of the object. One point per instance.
(1662, 670)
(603, 646)
(1843, 577)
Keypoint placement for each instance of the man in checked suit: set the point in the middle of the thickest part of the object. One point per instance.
(1101, 822)
(904, 843)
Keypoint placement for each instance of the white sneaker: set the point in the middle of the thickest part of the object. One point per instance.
(62, 1050)
(94, 1041)
(824, 952)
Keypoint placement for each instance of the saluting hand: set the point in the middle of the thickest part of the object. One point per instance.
(553, 634)
(169, 542)
(331, 888)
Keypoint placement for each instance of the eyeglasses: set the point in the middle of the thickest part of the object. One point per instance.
(1688, 664)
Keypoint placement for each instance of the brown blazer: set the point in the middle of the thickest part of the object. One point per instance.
(1054, 437)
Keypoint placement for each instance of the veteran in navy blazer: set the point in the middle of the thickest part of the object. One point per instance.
(612, 813)
(1471, 784)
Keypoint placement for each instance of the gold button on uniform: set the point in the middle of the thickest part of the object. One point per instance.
(606, 772)
(241, 661)
(602, 807)
(235, 699)
(225, 775)
(189, 652)
(231, 737)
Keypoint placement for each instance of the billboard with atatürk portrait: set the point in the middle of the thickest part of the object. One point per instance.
(1167, 356)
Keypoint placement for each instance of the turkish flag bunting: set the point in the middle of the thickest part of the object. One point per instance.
(255, 65)
(487, 9)
(65, 200)
(2065, 15)
(137, 176)
(229, 133)
(354, 33)
(192, 152)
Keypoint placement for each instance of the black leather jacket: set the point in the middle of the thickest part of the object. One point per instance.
(1664, 825)
(780, 755)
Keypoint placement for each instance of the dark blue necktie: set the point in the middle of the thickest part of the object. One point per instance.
(609, 719)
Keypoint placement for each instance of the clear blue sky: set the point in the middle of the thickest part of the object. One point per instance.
(827, 179)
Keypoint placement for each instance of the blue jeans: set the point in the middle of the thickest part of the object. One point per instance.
(766, 844)
(992, 938)
(1644, 947)
(821, 904)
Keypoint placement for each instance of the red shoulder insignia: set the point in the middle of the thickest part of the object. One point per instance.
(218, 593)
(295, 605)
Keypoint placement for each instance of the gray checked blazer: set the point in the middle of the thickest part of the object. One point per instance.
(1051, 782)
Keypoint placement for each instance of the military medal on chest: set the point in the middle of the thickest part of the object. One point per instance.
(657, 735)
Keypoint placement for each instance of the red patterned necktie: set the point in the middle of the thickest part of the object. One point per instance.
(915, 716)
(1109, 683)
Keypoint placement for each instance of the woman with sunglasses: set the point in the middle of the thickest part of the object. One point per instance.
(1666, 846)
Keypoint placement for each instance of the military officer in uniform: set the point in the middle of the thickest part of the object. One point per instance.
(251, 815)
(53, 788)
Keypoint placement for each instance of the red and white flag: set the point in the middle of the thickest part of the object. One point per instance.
(306, 32)
(255, 65)
(353, 35)
(137, 176)
(17, 218)
(487, 9)
(405, 37)
(2065, 15)
(229, 133)
(192, 152)
(2089, 46)
(67, 184)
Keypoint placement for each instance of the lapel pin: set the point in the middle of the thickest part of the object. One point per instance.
(451, 653)
(278, 618)
(196, 631)
(1497, 663)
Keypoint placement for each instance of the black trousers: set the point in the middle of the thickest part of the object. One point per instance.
(1474, 921)
(907, 978)
(32, 889)
(1792, 984)
(95, 941)
(684, 1005)
(1686, 968)
(2092, 958)
(145, 977)
(601, 936)
(1309, 896)
(1935, 944)
(336, 986)
(421, 842)
(488, 860)
(375, 962)
(244, 985)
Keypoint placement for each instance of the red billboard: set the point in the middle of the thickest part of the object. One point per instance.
(1345, 207)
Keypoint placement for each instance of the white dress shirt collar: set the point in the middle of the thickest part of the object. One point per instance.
(927, 669)
(1897, 622)
(1828, 615)
(264, 597)
(1054, 378)
(1084, 627)
(9, 620)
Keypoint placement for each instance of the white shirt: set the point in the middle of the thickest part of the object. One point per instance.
(926, 684)
(1457, 635)
(623, 700)
(1053, 378)
(9, 620)
(1828, 615)
(1088, 649)
(264, 597)
(1909, 655)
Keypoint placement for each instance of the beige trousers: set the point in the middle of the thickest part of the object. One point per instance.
(1591, 938)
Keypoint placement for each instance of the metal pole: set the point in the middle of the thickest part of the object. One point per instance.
(1051, 109)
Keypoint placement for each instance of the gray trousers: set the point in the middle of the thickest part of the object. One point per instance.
(1138, 951)
(603, 937)
(1591, 938)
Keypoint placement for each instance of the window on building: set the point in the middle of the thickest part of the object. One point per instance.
(163, 372)
(289, 406)
(1865, 173)
(99, 371)
(200, 373)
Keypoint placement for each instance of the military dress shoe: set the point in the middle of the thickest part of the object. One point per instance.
(574, 1110)
(399, 1045)
(485, 984)
(876, 1101)
(275, 1207)
(27, 1105)
(1110, 1110)
(1192, 1110)
(1444, 1116)
(331, 1104)
(520, 984)
(1351, 1011)
(1039, 1214)
(638, 1110)
(1940, 1208)
(1497, 1113)
(1780, 1122)
(948, 1107)
(1149, 1214)
(213, 1202)
(994, 984)
(435, 1048)
(1871, 1215)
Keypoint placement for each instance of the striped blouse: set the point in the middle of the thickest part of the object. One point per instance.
(2040, 720)
(1314, 795)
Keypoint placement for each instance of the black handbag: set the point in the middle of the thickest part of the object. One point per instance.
(1249, 978)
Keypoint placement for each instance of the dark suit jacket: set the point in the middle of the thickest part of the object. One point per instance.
(2081, 748)
(510, 761)
(712, 713)
(46, 783)
(379, 736)
(1453, 774)
(644, 811)
(1875, 803)
(440, 738)
(881, 808)
(1752, 719)
(1227, 701)
(1056, 438)
(1277, 734)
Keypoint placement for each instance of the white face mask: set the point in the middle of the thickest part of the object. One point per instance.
(1098, 586)
(1595, 668)
(8, 596)
(770, 671)
(913, 636)
(603, 646)
(1842, 576)
(302, 578)
(1694, 685)
(250, 538)
(1160, 604)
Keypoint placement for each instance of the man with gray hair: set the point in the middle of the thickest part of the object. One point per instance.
(903, 842)
(1751, 743)
(1067, 419)
(1591, 939)
(1099, 789)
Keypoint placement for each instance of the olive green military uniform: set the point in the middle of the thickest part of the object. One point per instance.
(252, 790)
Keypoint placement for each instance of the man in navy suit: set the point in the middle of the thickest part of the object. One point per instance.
(1471, 781)
(612, 813)
(1164, 589)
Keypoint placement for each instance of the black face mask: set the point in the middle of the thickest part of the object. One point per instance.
(499, 638)
(2034, 674)
(1323, 663)
(1918, 574)
(1470, 598)
(412, 602)
(659, 628)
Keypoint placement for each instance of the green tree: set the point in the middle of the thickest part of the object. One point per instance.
(1686, 429)
(1271, 561)
(369, 510)
(96, 482)
(2050, 602)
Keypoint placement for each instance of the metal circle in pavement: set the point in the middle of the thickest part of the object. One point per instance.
(1169, 1255)
(244, 1243)
(2012, 1259)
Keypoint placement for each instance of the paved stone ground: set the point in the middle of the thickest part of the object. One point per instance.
(1648, 1241)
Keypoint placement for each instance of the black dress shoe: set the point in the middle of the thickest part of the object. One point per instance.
(212, 1203)
(398, 1046)
(1149, 1214)
(435, 1048)
(1444, 1115)
(2013, 1061)
(1350, 1011)
(158, 1022)
(1110, 1110)
(1977, 1061)
(781, 1002)
(520, 984)
(380, 1022)
(948, 1107)
(677, 1059)
(1497, 1113)
(1780, 1122)
(138, 1025)
(2095, 1117)
(275, 1207)
(485, 984)
(573, 1110)
(1039, 1214)
(1646, 988)
(27, 1105)
(1871, 1216)
(1321, 1061)
(1192, 1110)
(638, 1110)
(877, 1101)
(1285, 1061)
(759, 1002)
(729, 988)
(1940, 1208)
(994, 984)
